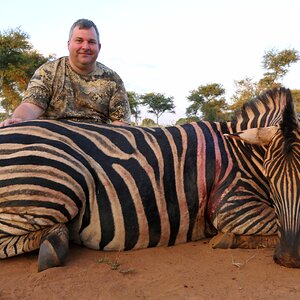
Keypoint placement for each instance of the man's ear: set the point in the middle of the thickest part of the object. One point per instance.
(258, 136)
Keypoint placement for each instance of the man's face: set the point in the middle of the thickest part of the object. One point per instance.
(83, 48)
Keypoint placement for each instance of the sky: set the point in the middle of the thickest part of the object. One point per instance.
(169, 46)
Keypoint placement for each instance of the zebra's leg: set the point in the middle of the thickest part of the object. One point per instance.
(12, 245)
(54, 247)
(244, 223)
(53, 243)
(231, 240)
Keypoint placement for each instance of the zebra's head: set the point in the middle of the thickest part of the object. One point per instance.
(282, 169)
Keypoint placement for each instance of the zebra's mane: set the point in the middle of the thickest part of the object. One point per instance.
(289, 123)
(262, 111)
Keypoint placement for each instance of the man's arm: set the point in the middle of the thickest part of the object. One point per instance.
(24, 112)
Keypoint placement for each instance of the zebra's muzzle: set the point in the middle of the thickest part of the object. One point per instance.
(287, 257)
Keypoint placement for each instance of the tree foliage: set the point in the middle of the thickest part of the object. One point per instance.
(190, 119)
(276, 65)
(18, 61)
(245, 89)
(158, 104)
(147, 122)
(209, 102)
(134, 103)
(296, 98)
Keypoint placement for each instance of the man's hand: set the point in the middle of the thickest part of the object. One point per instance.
(120, 123)
(10, 121)
(24, 112)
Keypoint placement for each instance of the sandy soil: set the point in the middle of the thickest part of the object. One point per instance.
(188, 271)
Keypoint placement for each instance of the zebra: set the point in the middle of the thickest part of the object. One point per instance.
(119, 188)
(282, 168)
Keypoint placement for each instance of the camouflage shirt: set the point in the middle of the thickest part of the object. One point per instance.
(65, 94)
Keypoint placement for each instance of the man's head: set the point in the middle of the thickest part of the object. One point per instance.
(84, 46)
(84, 24)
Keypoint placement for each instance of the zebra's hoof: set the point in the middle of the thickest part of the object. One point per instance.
(54, 248)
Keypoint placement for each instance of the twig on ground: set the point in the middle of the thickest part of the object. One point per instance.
(241, 264)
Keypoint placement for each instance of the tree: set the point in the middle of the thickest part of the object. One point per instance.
(190, 119)
(245, 89)
(209, 101)
(296, 98)
(158, 104)
(3, 116)
(134, 103)
(18, 61)
(148, 123)
(276, 63)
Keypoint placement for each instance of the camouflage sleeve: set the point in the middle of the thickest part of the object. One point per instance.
(39, 90)
(119, 109)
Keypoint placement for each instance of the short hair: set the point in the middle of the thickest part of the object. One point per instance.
(84, 24)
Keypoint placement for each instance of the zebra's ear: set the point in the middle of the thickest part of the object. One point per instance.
(258, 136)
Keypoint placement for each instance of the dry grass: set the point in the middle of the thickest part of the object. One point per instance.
(115, 265)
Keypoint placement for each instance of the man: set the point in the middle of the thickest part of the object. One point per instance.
(76, 87)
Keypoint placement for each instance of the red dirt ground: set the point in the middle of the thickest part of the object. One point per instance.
(188, 271)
